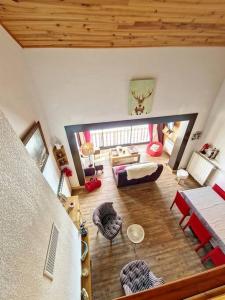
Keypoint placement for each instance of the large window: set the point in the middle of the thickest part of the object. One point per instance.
(120, 136)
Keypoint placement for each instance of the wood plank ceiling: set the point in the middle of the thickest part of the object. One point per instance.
(114, 23)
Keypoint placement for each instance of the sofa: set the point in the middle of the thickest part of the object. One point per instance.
(120, 176)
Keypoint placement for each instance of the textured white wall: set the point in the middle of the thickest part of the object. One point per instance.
(19, 100)
(91, 85)
(28, 207)
(214, 132)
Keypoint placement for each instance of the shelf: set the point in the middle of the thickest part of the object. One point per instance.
(75, 216)
(75, 211)
(60, 157)
(213, 162)
(86, 282)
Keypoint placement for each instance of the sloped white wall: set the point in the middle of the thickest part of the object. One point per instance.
(91, 85)
(19, 99)
(15, 90)
(214, 133)
(28, 207)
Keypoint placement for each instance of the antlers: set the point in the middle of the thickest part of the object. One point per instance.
(142, 97)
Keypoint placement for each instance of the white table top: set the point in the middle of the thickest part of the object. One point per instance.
(210, 208)
(135, 233)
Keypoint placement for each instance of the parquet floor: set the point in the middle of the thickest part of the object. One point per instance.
(165, 248)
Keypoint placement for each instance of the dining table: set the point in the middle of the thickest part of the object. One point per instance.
(209, 207)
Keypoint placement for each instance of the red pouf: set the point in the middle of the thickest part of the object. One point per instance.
(153, 152)
(93, 184)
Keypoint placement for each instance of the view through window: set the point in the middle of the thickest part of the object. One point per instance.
(120, 136)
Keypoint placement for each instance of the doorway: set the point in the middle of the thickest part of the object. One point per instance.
(187, 120)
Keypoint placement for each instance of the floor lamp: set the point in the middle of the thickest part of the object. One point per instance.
(87, 149)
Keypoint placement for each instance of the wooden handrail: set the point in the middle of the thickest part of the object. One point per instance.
(183, 288)
(209, 294)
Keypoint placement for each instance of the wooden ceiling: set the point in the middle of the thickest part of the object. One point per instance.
(114, 23)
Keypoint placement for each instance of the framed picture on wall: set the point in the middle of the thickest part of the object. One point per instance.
(140, 96)
(36, 146)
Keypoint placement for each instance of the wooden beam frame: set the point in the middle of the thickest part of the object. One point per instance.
(175, 159)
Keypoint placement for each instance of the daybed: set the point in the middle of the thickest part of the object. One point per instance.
(120, 176)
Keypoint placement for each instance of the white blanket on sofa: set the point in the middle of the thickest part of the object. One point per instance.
(140, 170)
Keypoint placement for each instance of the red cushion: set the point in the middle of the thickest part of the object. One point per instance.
(219, 191)
(154, 153)
(93, 184)
(119, 168)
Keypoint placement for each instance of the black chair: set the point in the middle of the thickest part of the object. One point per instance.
(136, 276)
(106, 219)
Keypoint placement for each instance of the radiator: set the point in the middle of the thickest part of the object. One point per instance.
(200, 168)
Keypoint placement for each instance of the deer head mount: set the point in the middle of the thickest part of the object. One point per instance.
(140, 99)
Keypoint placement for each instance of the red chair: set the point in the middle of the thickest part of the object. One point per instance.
(219, 191)
(216, 256)
(182, 206)
(199, 230)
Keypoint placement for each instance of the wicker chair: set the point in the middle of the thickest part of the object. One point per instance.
(107, 220)
(136, 276)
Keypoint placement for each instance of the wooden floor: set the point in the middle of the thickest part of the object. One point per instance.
(165, 248)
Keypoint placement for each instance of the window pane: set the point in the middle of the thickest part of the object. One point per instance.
(120, 136)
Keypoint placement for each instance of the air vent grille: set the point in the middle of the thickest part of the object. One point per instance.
(51, 254)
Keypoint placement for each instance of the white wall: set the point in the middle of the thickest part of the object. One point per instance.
(28, 207)
(19, 100)
(15, 95)
(214, 133)
(91, 85)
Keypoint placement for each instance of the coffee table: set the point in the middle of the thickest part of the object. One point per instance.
(124, 156)
(136, 234)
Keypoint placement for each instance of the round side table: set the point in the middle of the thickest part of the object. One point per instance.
(136, 234)
(182, 175)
